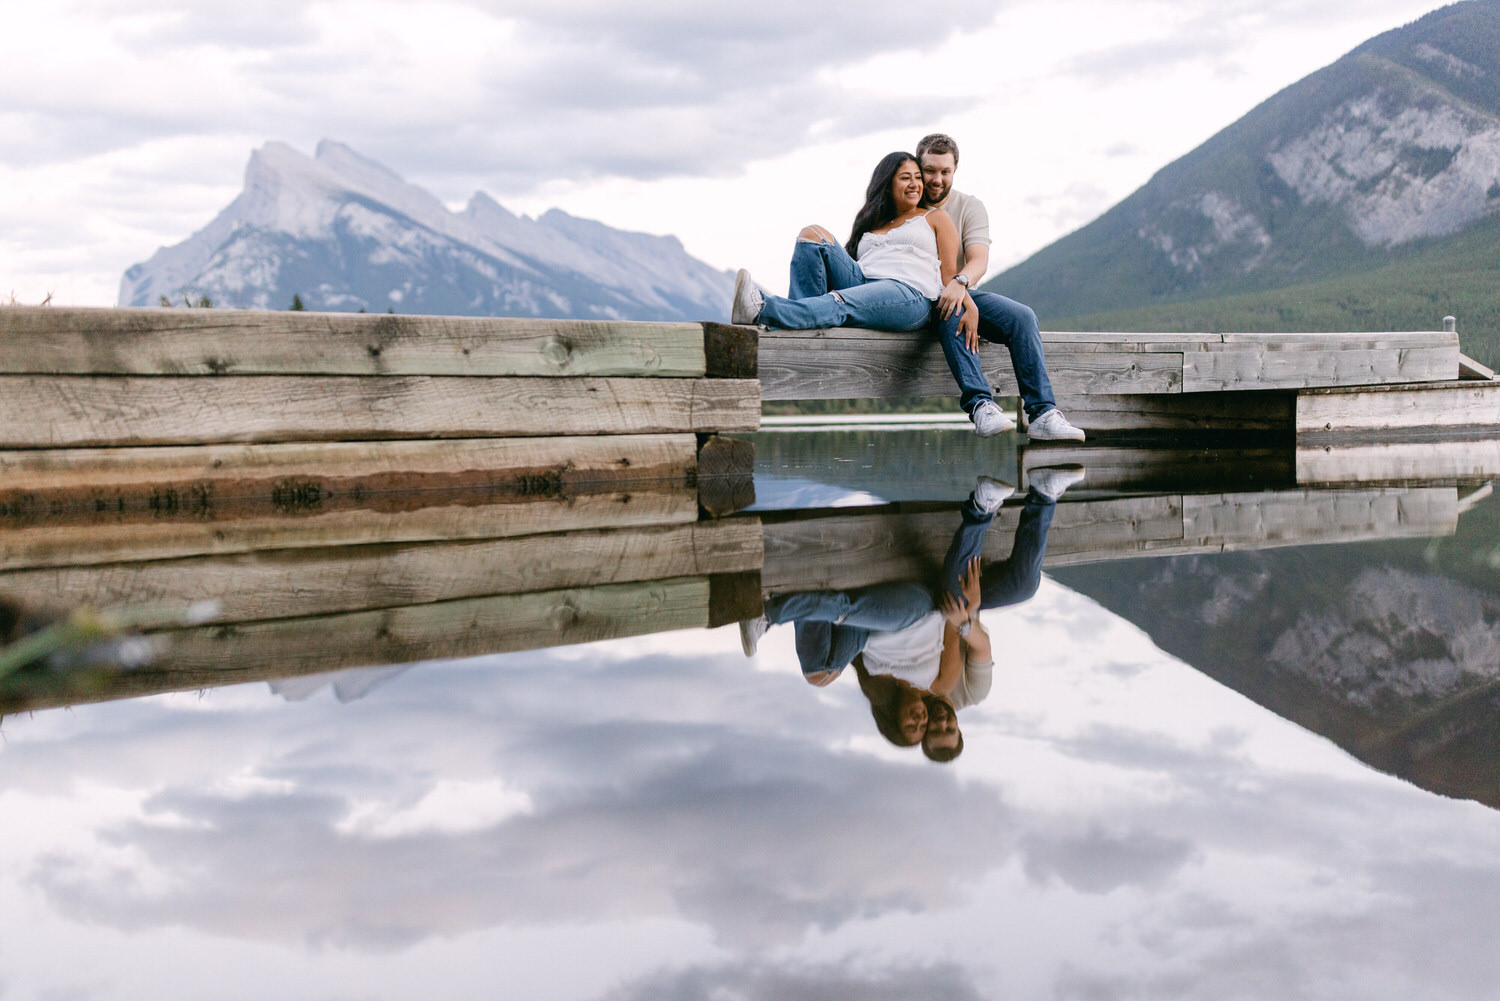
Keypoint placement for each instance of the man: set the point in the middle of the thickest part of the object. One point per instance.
(964, 314)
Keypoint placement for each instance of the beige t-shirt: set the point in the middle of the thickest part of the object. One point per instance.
(973, 222)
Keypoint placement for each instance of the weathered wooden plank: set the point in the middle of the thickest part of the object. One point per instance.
(468, 627)
(299, 582)
(1396, 462)
(856, 550)
(1455, 404)
(1257, 366)
(1242, 411)
(61, 340)
(83, 411)
(1468, 368)
(63, 483)
(852, 363)
(427, 517)
(216, 655)
(1260, 520)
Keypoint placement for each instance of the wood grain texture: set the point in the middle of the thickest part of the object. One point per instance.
(1397, 462)
(61, 340)
(215, 656)
(856, 550)
(852, 363)
(468, 627)
(1354, 364)
(92, 411)
(95, 544)
(1456, 404)
(1242, 411)
(589, 458)
(296, 582)
(1297, 517)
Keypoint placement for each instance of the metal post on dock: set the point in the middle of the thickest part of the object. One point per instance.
(1450, 324)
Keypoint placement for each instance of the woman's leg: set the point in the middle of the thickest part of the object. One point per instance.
(882, 304)
(820, 265)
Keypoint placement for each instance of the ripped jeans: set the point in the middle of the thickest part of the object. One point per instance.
(828, 289)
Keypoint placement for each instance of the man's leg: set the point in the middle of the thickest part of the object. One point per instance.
(973, 387)
(1005, 321)
(882, 608)
(1016, 578)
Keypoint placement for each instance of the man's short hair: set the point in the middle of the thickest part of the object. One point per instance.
(938, 144)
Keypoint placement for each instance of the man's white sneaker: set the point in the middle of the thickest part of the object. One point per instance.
(1053, 426)
(1053, 481)
(990, 493)
(751, 630)
(748, 301)
(990, 420)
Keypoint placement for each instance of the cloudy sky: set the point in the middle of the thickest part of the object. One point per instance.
(659, 818)
(125, 124)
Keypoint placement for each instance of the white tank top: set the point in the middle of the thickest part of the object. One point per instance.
(907, 253)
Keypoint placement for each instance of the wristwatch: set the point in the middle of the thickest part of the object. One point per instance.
(962, 279)
(965, 629)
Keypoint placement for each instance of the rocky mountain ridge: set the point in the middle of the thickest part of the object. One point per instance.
(1395, 147)
(344, 233)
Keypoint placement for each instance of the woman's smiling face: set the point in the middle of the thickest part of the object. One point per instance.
(906, 186)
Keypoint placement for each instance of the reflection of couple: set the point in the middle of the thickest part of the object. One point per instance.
(916, 248)
(920, 657)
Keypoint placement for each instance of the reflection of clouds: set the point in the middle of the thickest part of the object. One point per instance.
(1098, 862)
(763, 982)
(596, 816)
(1132, 830)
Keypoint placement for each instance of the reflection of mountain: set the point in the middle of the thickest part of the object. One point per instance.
(1390, 649)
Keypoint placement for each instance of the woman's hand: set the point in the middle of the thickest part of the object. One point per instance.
(970, 584)
(968, 323)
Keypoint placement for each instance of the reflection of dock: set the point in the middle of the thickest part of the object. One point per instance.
(843, 550)
(489, 567)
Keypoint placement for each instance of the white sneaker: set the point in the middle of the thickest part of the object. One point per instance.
(991, 493)
(1053, 481)
(1053, 426)
(990, 420)
(748, 300)
(751, 630)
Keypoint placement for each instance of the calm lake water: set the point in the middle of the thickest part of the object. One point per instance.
(1239, 744)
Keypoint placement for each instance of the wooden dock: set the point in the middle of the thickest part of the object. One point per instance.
(72, 378)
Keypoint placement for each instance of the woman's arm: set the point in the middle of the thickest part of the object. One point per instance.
(947, 243)
(950, 662)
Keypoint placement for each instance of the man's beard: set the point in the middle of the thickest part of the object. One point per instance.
(927, 198)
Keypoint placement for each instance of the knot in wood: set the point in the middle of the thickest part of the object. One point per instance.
(557, 351)
(565, 614)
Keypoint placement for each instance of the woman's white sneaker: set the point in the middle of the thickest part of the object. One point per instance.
(1053, 426)
(990, 493)
(989, 420)
(748, 301)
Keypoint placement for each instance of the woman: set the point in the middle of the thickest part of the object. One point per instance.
(900, 256)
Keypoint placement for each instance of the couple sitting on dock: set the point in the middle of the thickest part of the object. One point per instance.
(916, 249)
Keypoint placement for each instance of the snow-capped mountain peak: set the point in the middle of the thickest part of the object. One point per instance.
(343, 232)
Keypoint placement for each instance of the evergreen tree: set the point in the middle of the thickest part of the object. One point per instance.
(297, 302)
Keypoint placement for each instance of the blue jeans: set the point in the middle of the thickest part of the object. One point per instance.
(833, 626)
(1001, 321)
(818, 270)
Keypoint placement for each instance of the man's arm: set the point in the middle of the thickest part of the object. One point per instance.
(976, 262)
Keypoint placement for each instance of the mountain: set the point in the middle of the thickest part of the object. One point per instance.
(1390, 649)
(344, 233)
(1384, 157)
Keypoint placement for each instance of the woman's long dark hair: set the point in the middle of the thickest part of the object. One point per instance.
(879, 207)
(886, 695)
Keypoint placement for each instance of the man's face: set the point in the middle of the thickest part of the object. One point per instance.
(937, 176)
